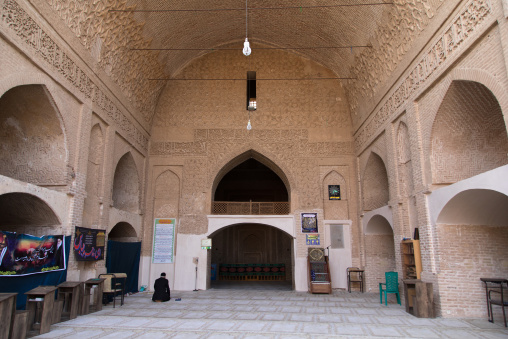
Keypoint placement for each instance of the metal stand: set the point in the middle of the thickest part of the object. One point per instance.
(196, 281)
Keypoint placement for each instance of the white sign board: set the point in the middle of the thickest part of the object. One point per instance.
(163, 240)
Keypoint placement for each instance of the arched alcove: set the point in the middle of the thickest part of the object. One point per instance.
(468, 134)
(166, 195)
(254, 247)
(375, 186)
(379, 251)
(123, 232)
(126, 185)
(33, 142)
(250, 185)
(337, 209)
(472, 237)
(26, 213)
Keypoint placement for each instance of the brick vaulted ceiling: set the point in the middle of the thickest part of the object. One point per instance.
(111, 29)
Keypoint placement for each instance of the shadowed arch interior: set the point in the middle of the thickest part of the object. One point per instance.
(251, 181)
(252, 244)
(33, 142)
(126, 185)
(123, 231)
(21, 209)
(251, 154)
(375, 186)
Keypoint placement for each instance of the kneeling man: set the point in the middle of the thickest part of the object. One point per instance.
(161, 289)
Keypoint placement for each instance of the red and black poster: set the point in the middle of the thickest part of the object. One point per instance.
(24, 254)
(89, 244)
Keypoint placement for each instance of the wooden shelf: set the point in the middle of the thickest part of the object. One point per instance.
(411, 259)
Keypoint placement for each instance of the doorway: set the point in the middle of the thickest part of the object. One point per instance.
(251, 256)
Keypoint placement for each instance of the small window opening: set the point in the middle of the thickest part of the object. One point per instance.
(251, 91)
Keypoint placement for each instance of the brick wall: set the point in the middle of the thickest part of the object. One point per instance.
(468, 253)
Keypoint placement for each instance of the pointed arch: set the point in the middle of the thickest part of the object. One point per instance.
(468, 135)
(166, 195)
(126, 185)
(34, 147)
(375, 186)
(250, 154)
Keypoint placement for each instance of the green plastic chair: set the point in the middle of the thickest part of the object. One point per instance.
(391, 286)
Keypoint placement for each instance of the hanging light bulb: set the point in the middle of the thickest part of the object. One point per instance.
(246, 48)
(249, 126)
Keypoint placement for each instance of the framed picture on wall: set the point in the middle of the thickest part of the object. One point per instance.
(309, 223)
(333, 192)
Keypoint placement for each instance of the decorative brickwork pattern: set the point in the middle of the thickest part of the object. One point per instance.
(18, 20)
(444, 47)
(379, 258)
(468, 135)
(110, 36)
(468, 253)
(391, 42)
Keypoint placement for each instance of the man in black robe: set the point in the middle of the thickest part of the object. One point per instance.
(161, 289)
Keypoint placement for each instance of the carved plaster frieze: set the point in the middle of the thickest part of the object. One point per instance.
(467, 22)
(111, 36)
(20, 22)
(391, 42)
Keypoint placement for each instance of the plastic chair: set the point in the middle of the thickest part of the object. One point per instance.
(391, 286)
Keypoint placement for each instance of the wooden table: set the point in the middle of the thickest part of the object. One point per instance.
(494, 283)
(69, 292)
(360, 278)
(419, 298)
(45, 295)
(97, 303)
(7, 311)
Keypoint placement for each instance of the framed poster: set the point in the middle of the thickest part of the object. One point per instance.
(89, 244)
(333, 192)
(163, 240)
(309, 223)
(312, 239)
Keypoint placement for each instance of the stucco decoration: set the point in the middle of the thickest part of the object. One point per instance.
(43, 45)
(444, 47)
(391, 42)
(110, 37)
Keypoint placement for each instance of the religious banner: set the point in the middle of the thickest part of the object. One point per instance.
(309, 223)
(89, 244)
(24, 254)
(163, 241)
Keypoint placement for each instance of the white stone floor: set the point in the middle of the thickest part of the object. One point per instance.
(222, 313)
